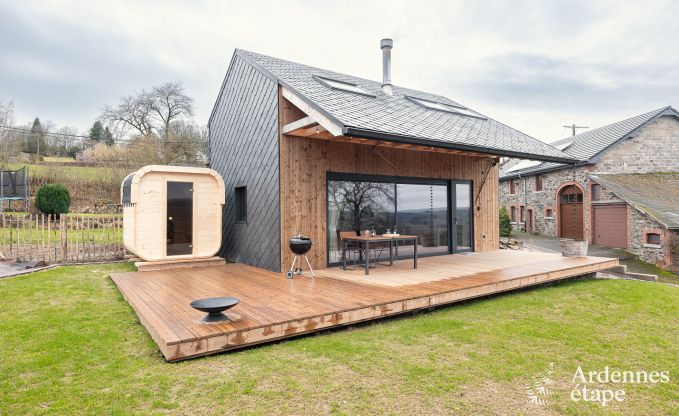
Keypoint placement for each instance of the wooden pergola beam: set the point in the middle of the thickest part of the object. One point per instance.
(310, 133)
(298, 124)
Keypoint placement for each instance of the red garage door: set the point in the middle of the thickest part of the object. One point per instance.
(610, 225)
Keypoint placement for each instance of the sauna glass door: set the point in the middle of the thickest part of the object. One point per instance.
(179, 218)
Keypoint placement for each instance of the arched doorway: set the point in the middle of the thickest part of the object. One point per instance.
(570, 213)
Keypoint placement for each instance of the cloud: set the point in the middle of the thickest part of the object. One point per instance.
(533, 65)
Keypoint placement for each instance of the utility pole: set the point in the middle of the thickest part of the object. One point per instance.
(573, 127)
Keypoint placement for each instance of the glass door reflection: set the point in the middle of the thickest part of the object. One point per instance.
(179, 218)
(422, 210)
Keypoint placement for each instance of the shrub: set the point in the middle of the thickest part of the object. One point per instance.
(53, 199)
(505, 223)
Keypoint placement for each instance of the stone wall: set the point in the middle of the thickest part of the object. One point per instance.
(639, 226)
(653, 149)
(541, 201)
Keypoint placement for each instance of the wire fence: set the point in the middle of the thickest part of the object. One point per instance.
(67, 239)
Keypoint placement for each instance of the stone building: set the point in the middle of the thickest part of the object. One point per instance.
(624, 193)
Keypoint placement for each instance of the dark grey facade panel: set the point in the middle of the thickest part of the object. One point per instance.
(244, 150)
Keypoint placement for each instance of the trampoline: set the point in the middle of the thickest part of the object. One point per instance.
(14, 187)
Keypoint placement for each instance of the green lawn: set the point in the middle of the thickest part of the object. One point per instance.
(70, 344)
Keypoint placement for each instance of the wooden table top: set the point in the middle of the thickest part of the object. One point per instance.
(379, 237)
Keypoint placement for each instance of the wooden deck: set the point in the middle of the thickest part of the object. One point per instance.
(273, 307)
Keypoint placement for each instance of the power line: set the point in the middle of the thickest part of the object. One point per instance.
(573, 127)
(44, 132)
(24, 130)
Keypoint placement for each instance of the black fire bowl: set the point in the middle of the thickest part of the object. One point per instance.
(214, 308)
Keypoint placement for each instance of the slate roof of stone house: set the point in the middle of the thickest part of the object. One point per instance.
(397, 118)
(587, 146)
(655, 194)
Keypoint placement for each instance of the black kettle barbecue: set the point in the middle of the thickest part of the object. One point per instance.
(299, 245)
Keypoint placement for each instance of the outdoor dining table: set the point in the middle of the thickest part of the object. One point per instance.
(366, 241)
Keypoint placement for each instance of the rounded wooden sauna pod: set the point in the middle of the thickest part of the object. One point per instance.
(172, 212)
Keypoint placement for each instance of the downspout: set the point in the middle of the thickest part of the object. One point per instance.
(525, 203)
(525, 206)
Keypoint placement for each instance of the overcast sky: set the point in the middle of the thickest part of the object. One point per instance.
(534, 65)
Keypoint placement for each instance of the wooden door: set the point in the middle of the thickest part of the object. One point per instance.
(610, 225)
(570, 213)
(529, 220)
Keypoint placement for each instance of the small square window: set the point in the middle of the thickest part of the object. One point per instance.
(241, 199)
(596, 192)
(549, 213)
(538, 183)
(653, 238)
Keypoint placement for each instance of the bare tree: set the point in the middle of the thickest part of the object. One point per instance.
(169, 103)
(7, 121)
(6, 113)
(150, 112)
(132, 113)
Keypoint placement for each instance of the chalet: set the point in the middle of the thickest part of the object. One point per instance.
(312, 151)
(622, 194)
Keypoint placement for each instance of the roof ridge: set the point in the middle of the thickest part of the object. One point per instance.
(405, 90)
(588, 132)
(395, 118)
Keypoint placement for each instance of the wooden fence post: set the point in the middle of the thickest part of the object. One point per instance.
(63, 237)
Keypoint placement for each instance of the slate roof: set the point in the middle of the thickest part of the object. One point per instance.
(654, 194)
(587, 146)
(396, 118)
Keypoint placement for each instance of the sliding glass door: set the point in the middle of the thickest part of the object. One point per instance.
(422, 210)
(462, 216)
(437, 211)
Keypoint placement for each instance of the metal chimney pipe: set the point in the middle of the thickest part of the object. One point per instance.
(386, 45)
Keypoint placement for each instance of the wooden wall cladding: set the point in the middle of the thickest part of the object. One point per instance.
(305, 162)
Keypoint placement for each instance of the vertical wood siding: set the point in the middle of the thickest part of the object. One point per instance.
(244, 150)
(304, 163)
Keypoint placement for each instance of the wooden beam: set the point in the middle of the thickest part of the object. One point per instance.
(320, 118)
(301, 123)
(311, 133)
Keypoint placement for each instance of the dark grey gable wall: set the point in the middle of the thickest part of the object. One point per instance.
(244, 150)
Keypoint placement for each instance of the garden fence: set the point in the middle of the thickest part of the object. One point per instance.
(64, 239)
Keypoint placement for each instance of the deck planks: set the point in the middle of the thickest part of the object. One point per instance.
(273, 307)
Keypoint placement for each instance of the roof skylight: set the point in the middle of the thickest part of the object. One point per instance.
(524, 164)
(433, 105)
(341, 85)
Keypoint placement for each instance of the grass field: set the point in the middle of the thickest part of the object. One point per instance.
(58, 159)
(71, 345)
(92, 188)
(78, 173)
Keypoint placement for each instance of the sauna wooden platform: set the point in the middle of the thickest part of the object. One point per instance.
(273, 307)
